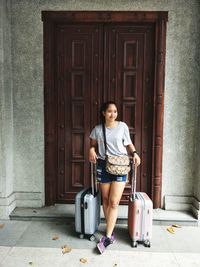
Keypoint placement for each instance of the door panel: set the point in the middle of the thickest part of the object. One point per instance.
(78, 65)
(126, 55)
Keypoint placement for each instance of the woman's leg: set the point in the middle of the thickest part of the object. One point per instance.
(105, 190)
(116, 190)
(112, 194)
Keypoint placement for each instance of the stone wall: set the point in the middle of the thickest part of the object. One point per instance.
(7, 202)
(181, 94)
(197, 160)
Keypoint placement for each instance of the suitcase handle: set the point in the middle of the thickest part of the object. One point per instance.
(93, 170)
(133, 179)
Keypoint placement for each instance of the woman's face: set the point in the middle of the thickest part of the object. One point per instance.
(110, 113)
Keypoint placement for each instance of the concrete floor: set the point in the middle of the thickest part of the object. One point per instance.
(29, 243)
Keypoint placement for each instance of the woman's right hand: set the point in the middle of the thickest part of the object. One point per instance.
(92, 155)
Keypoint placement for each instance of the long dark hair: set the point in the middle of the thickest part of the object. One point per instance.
(103, 108)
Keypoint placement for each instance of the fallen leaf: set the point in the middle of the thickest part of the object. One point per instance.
(82, 260)
(170, 230)
(55, 238)
(2, 226)
(66, 249)
(176, 225)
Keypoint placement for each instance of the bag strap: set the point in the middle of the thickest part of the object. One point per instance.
(104, 137)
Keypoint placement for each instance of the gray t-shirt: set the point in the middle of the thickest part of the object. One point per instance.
(117, 139)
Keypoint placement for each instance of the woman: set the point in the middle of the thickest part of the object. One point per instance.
(118, 141)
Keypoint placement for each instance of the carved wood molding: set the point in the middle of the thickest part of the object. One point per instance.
(158, 111)
(105, 16)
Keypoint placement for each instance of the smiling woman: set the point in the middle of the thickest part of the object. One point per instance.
(118, 141)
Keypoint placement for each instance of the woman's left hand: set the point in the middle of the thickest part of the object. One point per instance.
(136, 160)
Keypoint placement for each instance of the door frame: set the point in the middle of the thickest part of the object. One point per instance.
(50, 19)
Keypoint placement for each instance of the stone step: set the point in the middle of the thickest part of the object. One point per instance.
(66, 212)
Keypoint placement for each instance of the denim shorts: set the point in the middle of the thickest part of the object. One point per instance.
(104, 177)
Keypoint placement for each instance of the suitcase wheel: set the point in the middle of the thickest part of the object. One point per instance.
(134, 244)
(147, 243)
(92, 238)
(81, 236)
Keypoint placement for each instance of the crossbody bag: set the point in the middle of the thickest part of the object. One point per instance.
(116, 165)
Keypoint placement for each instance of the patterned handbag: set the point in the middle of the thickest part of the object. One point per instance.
(116, 165)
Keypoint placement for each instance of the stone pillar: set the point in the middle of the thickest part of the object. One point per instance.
(196, 203)
(7, 198)
(196, 208)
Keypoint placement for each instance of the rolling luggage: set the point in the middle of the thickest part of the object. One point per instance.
(140, 212)
(87, 209)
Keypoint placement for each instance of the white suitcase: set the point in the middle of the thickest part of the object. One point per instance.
(87, 210)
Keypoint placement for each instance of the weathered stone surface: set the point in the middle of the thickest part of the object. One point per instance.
(181, 171)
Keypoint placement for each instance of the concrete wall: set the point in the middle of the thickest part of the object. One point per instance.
(181, 93)
(181, 102)
(197, 161)
(7, 202)
(197, 170)
(27, 54)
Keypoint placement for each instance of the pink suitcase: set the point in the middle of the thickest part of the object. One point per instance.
(140, 212)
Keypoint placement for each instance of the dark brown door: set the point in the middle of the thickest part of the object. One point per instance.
(79, 54)
(128, 80)
(96, 63)
(91, 57)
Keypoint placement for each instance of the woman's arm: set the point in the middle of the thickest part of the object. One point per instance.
(92, 151)
(136, 158)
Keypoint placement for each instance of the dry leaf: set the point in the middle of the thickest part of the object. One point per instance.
(82, 260)
(2, 226)
(170, 230)
(66, 249)
(176, 225)
(55, 238)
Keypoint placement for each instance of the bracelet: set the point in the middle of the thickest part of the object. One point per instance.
(134, 152)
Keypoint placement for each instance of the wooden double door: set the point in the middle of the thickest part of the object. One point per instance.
(92, 63)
